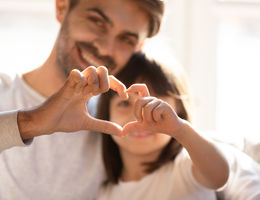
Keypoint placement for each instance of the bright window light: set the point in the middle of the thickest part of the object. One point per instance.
(238, 69)
(27, 34)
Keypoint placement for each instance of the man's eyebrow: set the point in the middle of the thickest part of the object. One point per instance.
(102, 14)
(135, 35)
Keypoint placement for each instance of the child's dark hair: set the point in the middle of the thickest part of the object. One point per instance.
(163, 84)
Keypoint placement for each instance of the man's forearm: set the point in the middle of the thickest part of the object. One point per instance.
(9, 132)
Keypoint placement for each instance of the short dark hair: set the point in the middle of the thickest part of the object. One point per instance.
(72, 4)
(154, 8)
(163, 84)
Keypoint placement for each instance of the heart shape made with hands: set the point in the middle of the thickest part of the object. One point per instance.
(66, 110)
(81, 86)
(139, 128)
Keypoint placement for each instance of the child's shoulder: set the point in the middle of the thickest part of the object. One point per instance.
(176, 169)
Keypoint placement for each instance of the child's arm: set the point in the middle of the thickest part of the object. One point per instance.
(210, 168)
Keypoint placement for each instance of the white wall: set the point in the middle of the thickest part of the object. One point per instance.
(217, 42)
(27, 32)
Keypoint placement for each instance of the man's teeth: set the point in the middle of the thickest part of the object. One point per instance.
(90, 61)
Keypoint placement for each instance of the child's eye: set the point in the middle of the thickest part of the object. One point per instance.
(123, 103)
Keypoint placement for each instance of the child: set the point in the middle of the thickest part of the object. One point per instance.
(149, 162)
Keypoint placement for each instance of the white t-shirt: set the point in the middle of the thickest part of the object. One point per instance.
(68, 166)
(62, 166)
(174, 180)
(244, 177)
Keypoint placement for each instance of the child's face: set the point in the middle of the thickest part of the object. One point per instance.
(121, 112)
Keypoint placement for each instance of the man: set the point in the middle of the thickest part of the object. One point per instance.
(69, 166)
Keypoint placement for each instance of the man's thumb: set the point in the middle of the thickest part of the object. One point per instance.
(103, 126)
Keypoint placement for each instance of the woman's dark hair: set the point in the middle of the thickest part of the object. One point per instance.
(163, 83)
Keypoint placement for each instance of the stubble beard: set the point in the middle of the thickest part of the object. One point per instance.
(63, 61)
(63, 58)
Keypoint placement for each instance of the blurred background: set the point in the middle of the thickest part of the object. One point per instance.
(216, 41)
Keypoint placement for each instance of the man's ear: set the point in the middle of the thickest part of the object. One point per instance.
(62, 7)
(140, 46)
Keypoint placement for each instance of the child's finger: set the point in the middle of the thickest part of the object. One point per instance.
(148, 109)
(118, 86)
(140, 89)
(158, 112)
(103, 79)
(138, 107)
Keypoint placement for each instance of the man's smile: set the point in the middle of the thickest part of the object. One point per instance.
(87, 59)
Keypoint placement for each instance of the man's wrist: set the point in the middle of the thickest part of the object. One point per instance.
(26, 125)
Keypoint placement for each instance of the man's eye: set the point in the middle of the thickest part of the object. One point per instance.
(96, 20)
(123, 103)
(128, 41)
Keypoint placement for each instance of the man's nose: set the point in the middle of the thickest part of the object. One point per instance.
(105, 45)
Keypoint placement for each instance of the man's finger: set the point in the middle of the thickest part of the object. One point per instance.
(118, 86)
(74, 84)
(73, 78)
(79, 80)
(103, 79)
(92, 79)
(103, 126)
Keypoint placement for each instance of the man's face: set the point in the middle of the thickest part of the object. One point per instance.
(100, 32)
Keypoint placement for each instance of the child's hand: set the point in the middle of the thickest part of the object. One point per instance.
(153, 114)
(209, 167)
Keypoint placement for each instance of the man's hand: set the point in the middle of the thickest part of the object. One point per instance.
(66, 110)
